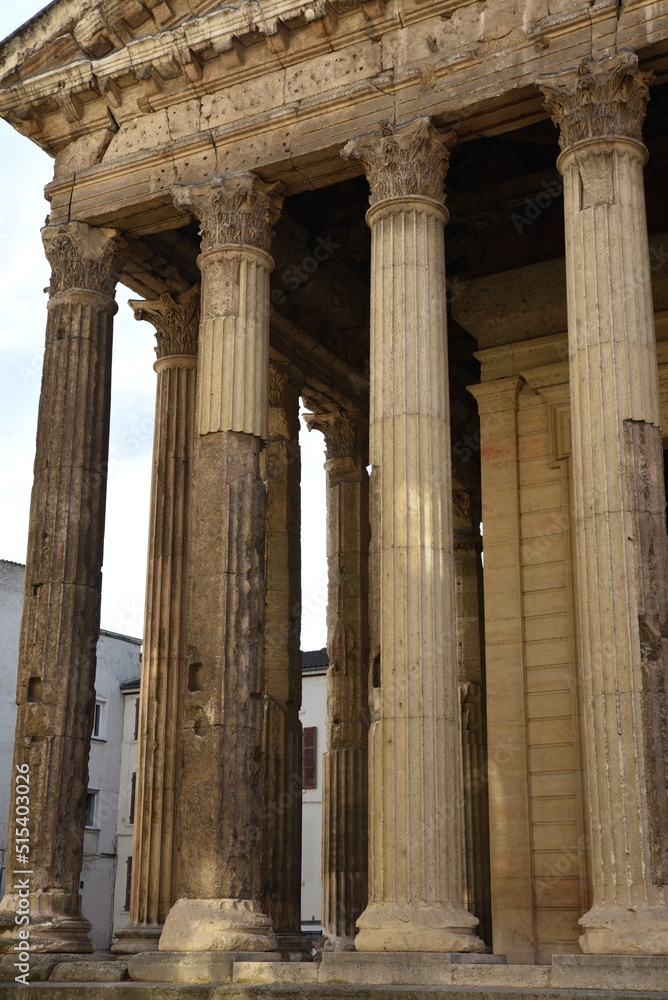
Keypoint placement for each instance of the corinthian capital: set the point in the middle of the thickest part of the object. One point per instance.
(402, 160)
(344, 433)
(83, 257)
(598, 99)
(175, 318)
(234, 210)
(283, 377)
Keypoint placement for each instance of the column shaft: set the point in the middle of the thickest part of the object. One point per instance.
(61, 611)
(166, 586)
(282, 748)
(619, 500)
(220, 807)
(415, 788)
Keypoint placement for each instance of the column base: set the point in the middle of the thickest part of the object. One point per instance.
(136, 938)
(293, 945)
(622, 930)
(417, 927)
(217, 925)
(56, 923)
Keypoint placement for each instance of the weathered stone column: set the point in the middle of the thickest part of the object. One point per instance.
(345, 764)
(176, 320)
(415, 786)
(220, 801)
(468, 589)
(61, 609)
(282, 749)
(619, 499)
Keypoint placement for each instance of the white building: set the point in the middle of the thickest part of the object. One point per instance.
(118, 661)
(313, 711)
(126, 804)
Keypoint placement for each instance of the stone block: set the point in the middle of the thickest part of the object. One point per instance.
(42, 964)
(505, 976)
(89, 972)
(275, 972)
(610, 972)
(181, 967)
(398, 968)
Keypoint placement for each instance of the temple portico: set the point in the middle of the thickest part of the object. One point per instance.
(460, 275)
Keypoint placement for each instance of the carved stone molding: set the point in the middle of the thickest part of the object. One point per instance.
(234, 210)
(404, 160)
(175, 318)
(343, 433)
(603, 98)
(281, 375)
(83, 257)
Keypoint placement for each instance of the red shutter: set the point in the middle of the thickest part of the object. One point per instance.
(133, 789)
(128, 883)
(310, 765)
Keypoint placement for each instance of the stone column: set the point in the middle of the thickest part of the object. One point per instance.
(468, 588)
(220, 801)
(416, 855)
(619, 499)
(282, 749)
(61, 609)
(176, 320)
(345, 764)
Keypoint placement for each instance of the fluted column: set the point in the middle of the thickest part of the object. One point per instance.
(345, 764)
(61, 610)
(416, 884)
(176, 320)
(282, 747)
(220, 801)
(619, 499)
(468, 587)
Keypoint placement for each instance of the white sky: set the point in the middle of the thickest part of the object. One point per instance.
(24, 273)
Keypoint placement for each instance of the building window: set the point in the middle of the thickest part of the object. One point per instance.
(99, 720)
(128, 883)
(136, 719)
(310, 765)
(91, 810)
(133, 789)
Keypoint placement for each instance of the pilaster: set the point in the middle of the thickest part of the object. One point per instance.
(220, 802)
(61, 610)
(176, 320)
(345, 764)
(619, 499)
(416, 896)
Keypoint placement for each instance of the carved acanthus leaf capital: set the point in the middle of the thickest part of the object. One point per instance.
(234, 210)
(403, 160)
(283, 376)
(83, 257)
(175, 318)
(343, 433)
(598, 99)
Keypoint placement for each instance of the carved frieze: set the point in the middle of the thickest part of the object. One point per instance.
(83, 257)
(234, 210)
(404, 160)
(175, 318)
(598, 99)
